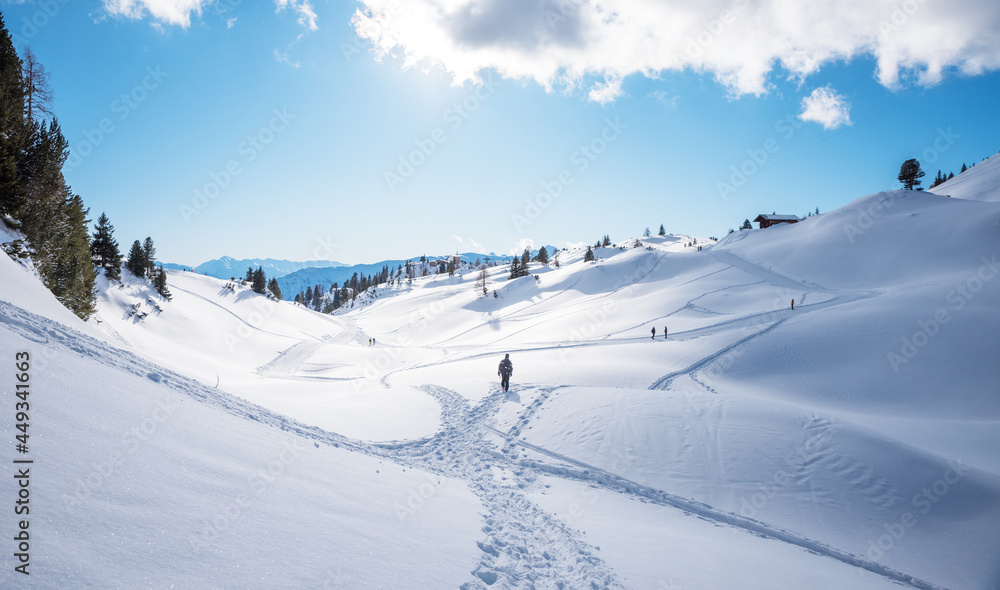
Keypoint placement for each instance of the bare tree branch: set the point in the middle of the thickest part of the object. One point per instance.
(37, 90)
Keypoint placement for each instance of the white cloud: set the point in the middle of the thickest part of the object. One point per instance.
(230, 22)
(173, 12)
(179, 12)
(283, 57)
(597, 43)
(826, 107)
(521, 245)
(663, 97)
(302, 8)
(607, 91)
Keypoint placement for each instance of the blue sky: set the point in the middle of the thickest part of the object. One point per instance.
(292, 130)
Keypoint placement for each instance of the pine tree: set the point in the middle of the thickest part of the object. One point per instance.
(317, 298)
(67, 270)
(104, 249)
(964, 168)
(746, 224)
(14, 137)
(525, 258)
(149, 256)
(249, 276)
(646, 233)
(136, 262)
(607, 241)
(589, 256)
(259, 281)
(275, 289)
(910, 174)
(543, 255)
(515, 268)
(951, 175)
(160, 282)
(663, 231)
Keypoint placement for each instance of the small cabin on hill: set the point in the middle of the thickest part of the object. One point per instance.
(766, 220)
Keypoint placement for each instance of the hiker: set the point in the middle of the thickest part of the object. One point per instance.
(505, 370)
(793, 305)
(664, 332)
(654, 333)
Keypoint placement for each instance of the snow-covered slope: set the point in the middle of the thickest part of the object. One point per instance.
(143, 478)
(848, 443)
(978, 183)
(237, 340)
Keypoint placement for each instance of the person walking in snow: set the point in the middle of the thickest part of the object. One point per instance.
(664, 332)
(793, 305)
(505, 370)
(654, 333)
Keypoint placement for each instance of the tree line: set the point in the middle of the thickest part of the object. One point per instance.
(316, 298)
(38, 203)
(35, 199)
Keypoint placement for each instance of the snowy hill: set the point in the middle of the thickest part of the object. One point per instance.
(848, 443)
(978, 183)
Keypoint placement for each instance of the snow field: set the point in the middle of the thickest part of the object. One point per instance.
(757, 446)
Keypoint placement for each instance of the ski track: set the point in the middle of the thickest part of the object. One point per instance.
(288, 361)
(598, 477)
(523, 546)
(230, 312)
(778, 317)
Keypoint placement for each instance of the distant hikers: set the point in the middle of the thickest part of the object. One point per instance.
(654, 333)
(793, 305)
(505, 370)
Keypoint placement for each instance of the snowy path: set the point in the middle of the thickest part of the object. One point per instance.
(770, 319)
(289, 361)
(523, 545)
(595, 476)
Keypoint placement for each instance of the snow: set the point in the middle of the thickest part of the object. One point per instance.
(849, 442)
(978, 183)
(262, 348)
